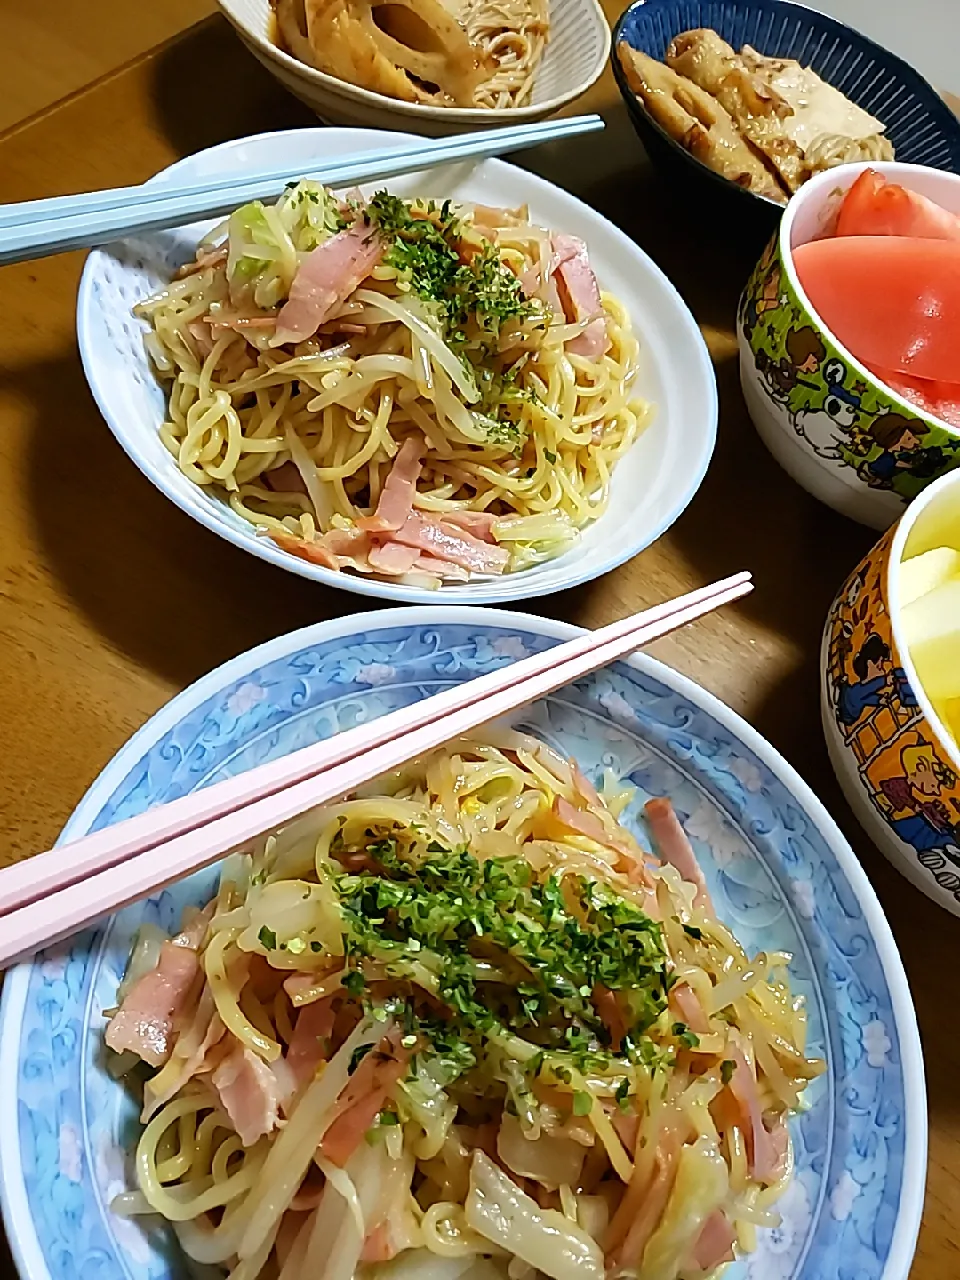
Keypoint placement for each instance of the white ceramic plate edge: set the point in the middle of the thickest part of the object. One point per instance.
(529, 583)
(13, 1202)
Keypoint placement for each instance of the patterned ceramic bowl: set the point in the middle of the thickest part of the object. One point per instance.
(918, 122)
(849, 440)
(778, 869)
(572, 61)
(896, 762)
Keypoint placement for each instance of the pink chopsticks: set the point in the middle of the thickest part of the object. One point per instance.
(49, 896)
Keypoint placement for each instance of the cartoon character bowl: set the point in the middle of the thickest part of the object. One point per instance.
(848, 439)
(897, 763)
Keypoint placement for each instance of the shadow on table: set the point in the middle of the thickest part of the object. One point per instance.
(749, 514)
(6, 1260)
(158, 587)
(208, 88)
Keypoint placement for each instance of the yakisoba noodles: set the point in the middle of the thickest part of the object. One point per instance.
(404, 389)
(461, 1024)
(464, 53)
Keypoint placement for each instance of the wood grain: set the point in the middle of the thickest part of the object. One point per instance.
(111, 600)
(56, 47)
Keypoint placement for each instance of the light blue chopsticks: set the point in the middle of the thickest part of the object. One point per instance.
(37, 228)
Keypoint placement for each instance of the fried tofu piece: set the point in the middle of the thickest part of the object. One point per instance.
(697, 121)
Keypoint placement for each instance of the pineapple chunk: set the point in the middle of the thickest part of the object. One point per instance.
(926, 572)
(931, 626)
(949, 713)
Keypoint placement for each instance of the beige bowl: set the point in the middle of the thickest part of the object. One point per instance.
(574, 58)
(894, 758)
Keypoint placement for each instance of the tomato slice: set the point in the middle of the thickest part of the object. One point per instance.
(893, 301)
(940, 399)
(875, 207)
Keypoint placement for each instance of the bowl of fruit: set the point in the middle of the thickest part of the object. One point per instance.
(890, 692)
(849, 334)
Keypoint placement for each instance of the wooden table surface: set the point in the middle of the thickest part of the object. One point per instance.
(111, 600)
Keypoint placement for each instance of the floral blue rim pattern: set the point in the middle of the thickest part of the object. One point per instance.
(778, 867)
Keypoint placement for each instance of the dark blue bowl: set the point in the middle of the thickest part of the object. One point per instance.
(918, 122)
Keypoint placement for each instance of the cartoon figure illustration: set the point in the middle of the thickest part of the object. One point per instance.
(920, 818)
(901, 450)
(827, 429)
(913, 789)
(877, 681)
(855, 585)
(805, 354)
(756, 306)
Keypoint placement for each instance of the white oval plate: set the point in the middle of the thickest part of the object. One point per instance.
(653, 483)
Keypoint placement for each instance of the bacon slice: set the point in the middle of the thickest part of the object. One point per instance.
(685, 1006)
(441, 569)
(189, 1057)
(715, 1242)
(361, 1101)
(537, 282)
(347, 542)
(580, 296)
(308, 1047)
(202, 337)
(613, 1017)
(674, 847)
(325, 279)
(313, 552)
(379, 1245)
(399, 491)
(478, 523)
(584, 790)
(204, 259)
(392, 558)
(779, 1150)
(765, 1152)
(642, 1206)
(446, 542)
(146, 1020)
(250, 1094)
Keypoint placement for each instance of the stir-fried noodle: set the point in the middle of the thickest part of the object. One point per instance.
(413, 391)
(461, 1024)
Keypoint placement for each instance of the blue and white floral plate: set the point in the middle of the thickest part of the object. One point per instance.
(780, 872)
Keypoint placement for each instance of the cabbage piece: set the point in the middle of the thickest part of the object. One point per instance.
(265, 243)
(311, 214)
(421, 1097)
(144, 957)
(550, 1160)
(288, 917)
(497, 1209)
(348, 1202)
(292, 1153)
(255, 273)
(546, 527)
(700, 1187)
